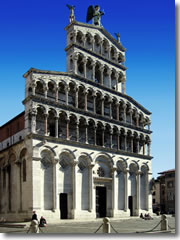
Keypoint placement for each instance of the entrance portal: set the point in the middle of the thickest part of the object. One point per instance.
(100, 202)
(130, 202)
(63, 206)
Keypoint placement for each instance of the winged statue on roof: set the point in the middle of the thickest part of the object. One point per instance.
(95, 14)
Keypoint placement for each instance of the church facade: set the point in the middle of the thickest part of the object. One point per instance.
(81, 148)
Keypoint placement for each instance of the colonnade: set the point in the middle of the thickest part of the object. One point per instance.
(88, 131)
(92, 101)
(97, 44)
(97, 71)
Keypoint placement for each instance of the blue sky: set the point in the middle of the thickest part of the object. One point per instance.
(33, 35)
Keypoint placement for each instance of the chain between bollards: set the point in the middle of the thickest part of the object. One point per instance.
(98, 228)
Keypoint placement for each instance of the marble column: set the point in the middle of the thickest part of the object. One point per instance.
(125, 142)
(93, 41)
(138, 191)
(126, 177)
(75, 59)
(77, 131)
(84, 66)
(102, 106)
(124, 109)
(74, 189)
(54, 187)
(86, 133)
(57, 94)
(45, 124)
(117, 111)
(114, 207)
(90, 174)
(33, 122)
(67, 93)
(33, 89)
(76, 97)
(137, 120)
(67, 129)
(109, 72)
(102, 75)
(45, 91)
(123, 87)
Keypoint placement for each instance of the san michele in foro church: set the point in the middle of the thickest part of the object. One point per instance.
(81, 147)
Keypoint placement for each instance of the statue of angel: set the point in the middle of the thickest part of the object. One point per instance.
(71, 16)
(95, 14)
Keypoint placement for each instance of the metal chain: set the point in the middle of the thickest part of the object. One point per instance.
(170, 227)
(113, 228)
(151, 229)
(98, 228)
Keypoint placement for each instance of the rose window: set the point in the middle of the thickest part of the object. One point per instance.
(100, 172)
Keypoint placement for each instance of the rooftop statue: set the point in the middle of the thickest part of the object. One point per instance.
(118, 37)
(71, 16)
(95, 14)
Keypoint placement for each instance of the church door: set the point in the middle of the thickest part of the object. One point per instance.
(131, 205)
(100, 202)
(63, 206)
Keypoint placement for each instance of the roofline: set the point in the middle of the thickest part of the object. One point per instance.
(168, 171)
(34, 70)
(11, 120)
(102, 29)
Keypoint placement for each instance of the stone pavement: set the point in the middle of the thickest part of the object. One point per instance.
(127, 225)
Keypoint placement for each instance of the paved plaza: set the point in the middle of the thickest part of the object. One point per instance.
(129, 225)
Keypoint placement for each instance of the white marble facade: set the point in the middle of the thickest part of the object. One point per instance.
(86, 144)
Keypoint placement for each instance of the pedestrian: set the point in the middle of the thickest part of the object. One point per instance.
(43, 222)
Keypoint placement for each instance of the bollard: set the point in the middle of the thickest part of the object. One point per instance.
(164, 223)
(34, 228)
(106, 225)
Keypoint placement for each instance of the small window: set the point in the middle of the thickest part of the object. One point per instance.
(24, 170)
(154, 201)
(154, 193)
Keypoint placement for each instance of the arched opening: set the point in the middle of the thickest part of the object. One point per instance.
(97, 73)
(39, 89)
(90, 106)
(81, 97)
(72, 128)
(51, 123)
(62, 93)
(40, 120)
(71, 95)
(51, 91)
